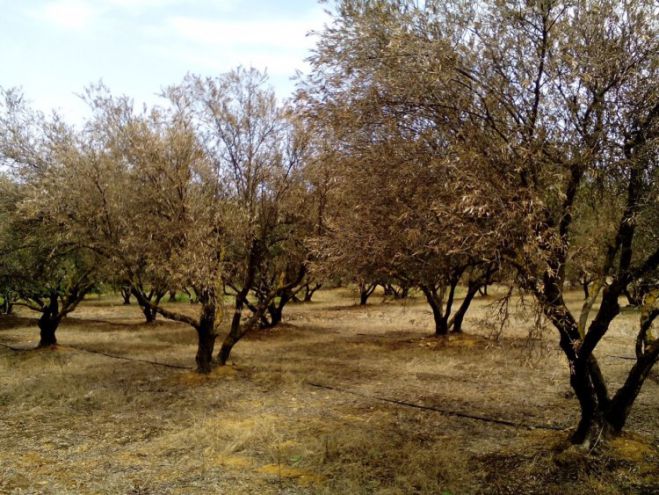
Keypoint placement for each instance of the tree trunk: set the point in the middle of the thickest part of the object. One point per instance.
(400, 293)
(149, 314)
(205, 345)
(623, 400)
(125, 295)
(309, 292)
(236, 331)
(225, 350)
(365, 291)
(634, 297)
(591, 423)
(277, 315)
(144, 300)
(7, 306)
(586, 289)
(462, 310)
(441, 320)
(192, 295)
(48, 324)
(275, 311)
(147, 302)
(172, 296)
(441, 326)
(599, 414)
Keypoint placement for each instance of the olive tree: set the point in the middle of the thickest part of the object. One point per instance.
(538, 103)
(398, 177)
(256, 154)
(572, 97)
(156, 210)
(44, 267)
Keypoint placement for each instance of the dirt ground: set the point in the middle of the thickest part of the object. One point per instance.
(340, 399)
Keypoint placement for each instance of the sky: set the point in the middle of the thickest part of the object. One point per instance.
(52, 49)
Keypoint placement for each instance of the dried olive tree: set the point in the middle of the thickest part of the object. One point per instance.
(43, 266)
(534, 105)
(398, 177)
(570, 92)
(160, 209)
(256, 155)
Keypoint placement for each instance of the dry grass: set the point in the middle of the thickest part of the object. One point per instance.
(78, 422)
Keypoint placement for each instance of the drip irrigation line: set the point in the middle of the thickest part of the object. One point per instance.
(123, 358)
(113, 356)
(445, 412)
(628, 358)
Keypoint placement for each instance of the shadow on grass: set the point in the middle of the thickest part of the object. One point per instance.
(125, 326)
(10, 322)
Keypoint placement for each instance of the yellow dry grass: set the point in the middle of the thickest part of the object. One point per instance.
(79, 422)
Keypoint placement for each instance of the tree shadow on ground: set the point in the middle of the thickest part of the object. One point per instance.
(10, 322)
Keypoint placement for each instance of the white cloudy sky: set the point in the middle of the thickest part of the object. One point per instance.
(53, 48)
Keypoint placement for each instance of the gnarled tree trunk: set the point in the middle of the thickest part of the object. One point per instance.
(440, 311)
(148, 302)
(7, 306)
(600, 414)
(125, 295)
(309, 291)
(275, 311)
(149, 314)
(365, 291)
(47, 328)
(237, 331)
(456, 324)
(206, 336)
(48, 322)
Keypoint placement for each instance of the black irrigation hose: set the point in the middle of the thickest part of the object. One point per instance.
(445, 412)
(397, 402)
(113, 356)
(628, 358)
